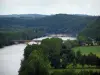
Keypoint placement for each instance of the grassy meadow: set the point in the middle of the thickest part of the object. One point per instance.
(87, 49)
(76, 70)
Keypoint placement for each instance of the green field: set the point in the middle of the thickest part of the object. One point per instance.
(77, 70)
(87, 49)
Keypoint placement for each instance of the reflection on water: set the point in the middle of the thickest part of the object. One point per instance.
(10, 58)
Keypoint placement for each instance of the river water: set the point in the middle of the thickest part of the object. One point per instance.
(10, 58)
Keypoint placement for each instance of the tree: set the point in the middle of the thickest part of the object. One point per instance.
(67, 55)
(78, 56)
(68, 44)
(36, 64)
(30, 48)
(53, 46)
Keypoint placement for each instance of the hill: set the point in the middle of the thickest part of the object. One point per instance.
(92, 30)
(59, 23)
(24, 16)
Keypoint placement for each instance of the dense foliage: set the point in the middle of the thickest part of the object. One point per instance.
(29, 26)
(55, 54)
(52, 53)
(72, 72)
(60, 23)
(4, 40)
(36, 64)
(92, 31)
(8, 37)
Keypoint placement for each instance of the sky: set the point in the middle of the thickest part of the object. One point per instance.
(89, 7)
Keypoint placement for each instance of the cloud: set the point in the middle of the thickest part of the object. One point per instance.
(90, 7)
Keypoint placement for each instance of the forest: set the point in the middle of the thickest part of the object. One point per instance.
(7, 37)
(59, 23)
(49, 37)
(55, 57)
(18, 27)
(91, 31)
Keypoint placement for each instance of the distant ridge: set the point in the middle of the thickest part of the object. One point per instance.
(92, 30)
(25, 15)
(58, 23)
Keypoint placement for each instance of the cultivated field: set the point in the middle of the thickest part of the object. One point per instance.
(87, 49)
(77, 70)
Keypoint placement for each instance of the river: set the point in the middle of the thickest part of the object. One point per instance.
(10, 58)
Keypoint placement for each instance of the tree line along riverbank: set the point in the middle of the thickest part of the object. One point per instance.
(55, 57)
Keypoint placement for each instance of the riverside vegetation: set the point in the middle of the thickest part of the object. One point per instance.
(30, 26)
(55, 57)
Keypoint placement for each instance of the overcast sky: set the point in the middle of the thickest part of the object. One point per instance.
(90, 7)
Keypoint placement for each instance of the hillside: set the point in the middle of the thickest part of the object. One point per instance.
(92, 30)
(24, 16)
(60, 23)
(18, 21)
